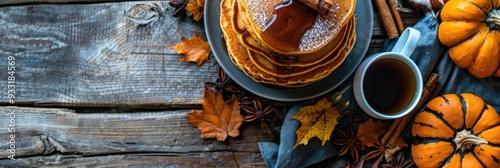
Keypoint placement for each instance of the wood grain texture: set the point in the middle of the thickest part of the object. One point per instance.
(92, 55)
(79, 55)
(27, 2)
(149, 160)
(47, 135)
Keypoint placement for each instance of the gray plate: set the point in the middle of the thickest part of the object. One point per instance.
(364, 28)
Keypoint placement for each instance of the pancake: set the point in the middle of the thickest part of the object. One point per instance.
(325, 27)
(240, 55)
(237, 52)
(241, 23)
(317, 73)
(287, 71)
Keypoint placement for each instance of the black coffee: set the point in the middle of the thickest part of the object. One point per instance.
(389, 85)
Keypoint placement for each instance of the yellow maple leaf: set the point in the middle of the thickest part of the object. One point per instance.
(195, 49)
(317, 121)
(369, 131)
(195, 7)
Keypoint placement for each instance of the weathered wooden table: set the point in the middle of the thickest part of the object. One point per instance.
(92, 88)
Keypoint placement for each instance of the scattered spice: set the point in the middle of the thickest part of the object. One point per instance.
(348, 142)
(349, 165)
(251, 107)
(398, 161)
(376, 153)
(387, 18)
(257, 112)
(223, 83)
(243, 98)
(396, 15)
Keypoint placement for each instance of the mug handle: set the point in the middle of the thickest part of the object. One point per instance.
(407, 42)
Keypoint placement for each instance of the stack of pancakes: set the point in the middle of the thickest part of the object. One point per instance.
(321, 49)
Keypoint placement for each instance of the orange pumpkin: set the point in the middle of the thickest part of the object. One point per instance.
(472, 29)
(457, 131)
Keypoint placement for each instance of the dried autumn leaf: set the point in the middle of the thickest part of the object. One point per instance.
(399, 142)
(347, 142)
(317, 121)
(369, 131)
(195, 7)
(195, 49)
(378, 150)
(377, 153)
(389, 152)
(398, 161)
(393, 148)
(218, 118)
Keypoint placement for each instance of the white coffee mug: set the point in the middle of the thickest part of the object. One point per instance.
(389, 85)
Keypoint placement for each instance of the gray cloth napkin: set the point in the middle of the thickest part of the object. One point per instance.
(430, 56)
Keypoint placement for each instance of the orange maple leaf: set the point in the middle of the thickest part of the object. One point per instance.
(369, 131)
(218, 118)
(195, 49)
(195, 7)
(317, 121)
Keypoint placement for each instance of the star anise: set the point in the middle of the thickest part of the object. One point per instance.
(376, 152)
(348, 142)
(178, 5)
(398, 161)
(349, 165)
(244, 99)
(257, 112)
(223, 83)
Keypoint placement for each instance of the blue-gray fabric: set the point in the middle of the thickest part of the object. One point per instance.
(430, 56)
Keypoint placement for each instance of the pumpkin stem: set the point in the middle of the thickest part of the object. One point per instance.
(494, 18)
(465, 140)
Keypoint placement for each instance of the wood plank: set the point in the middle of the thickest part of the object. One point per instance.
(91, 55)
(62, 133)
(205, 159)
(26, 2)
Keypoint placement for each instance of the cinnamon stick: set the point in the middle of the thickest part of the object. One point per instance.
(387, 20)
(397, 17)
(399, 124)
(322, 6)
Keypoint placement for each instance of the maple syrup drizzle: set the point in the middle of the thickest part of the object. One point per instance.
(283, 59)
(287, 25)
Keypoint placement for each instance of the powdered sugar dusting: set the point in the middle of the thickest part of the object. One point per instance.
(323, 29)
(321, 32)
(262, 10)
